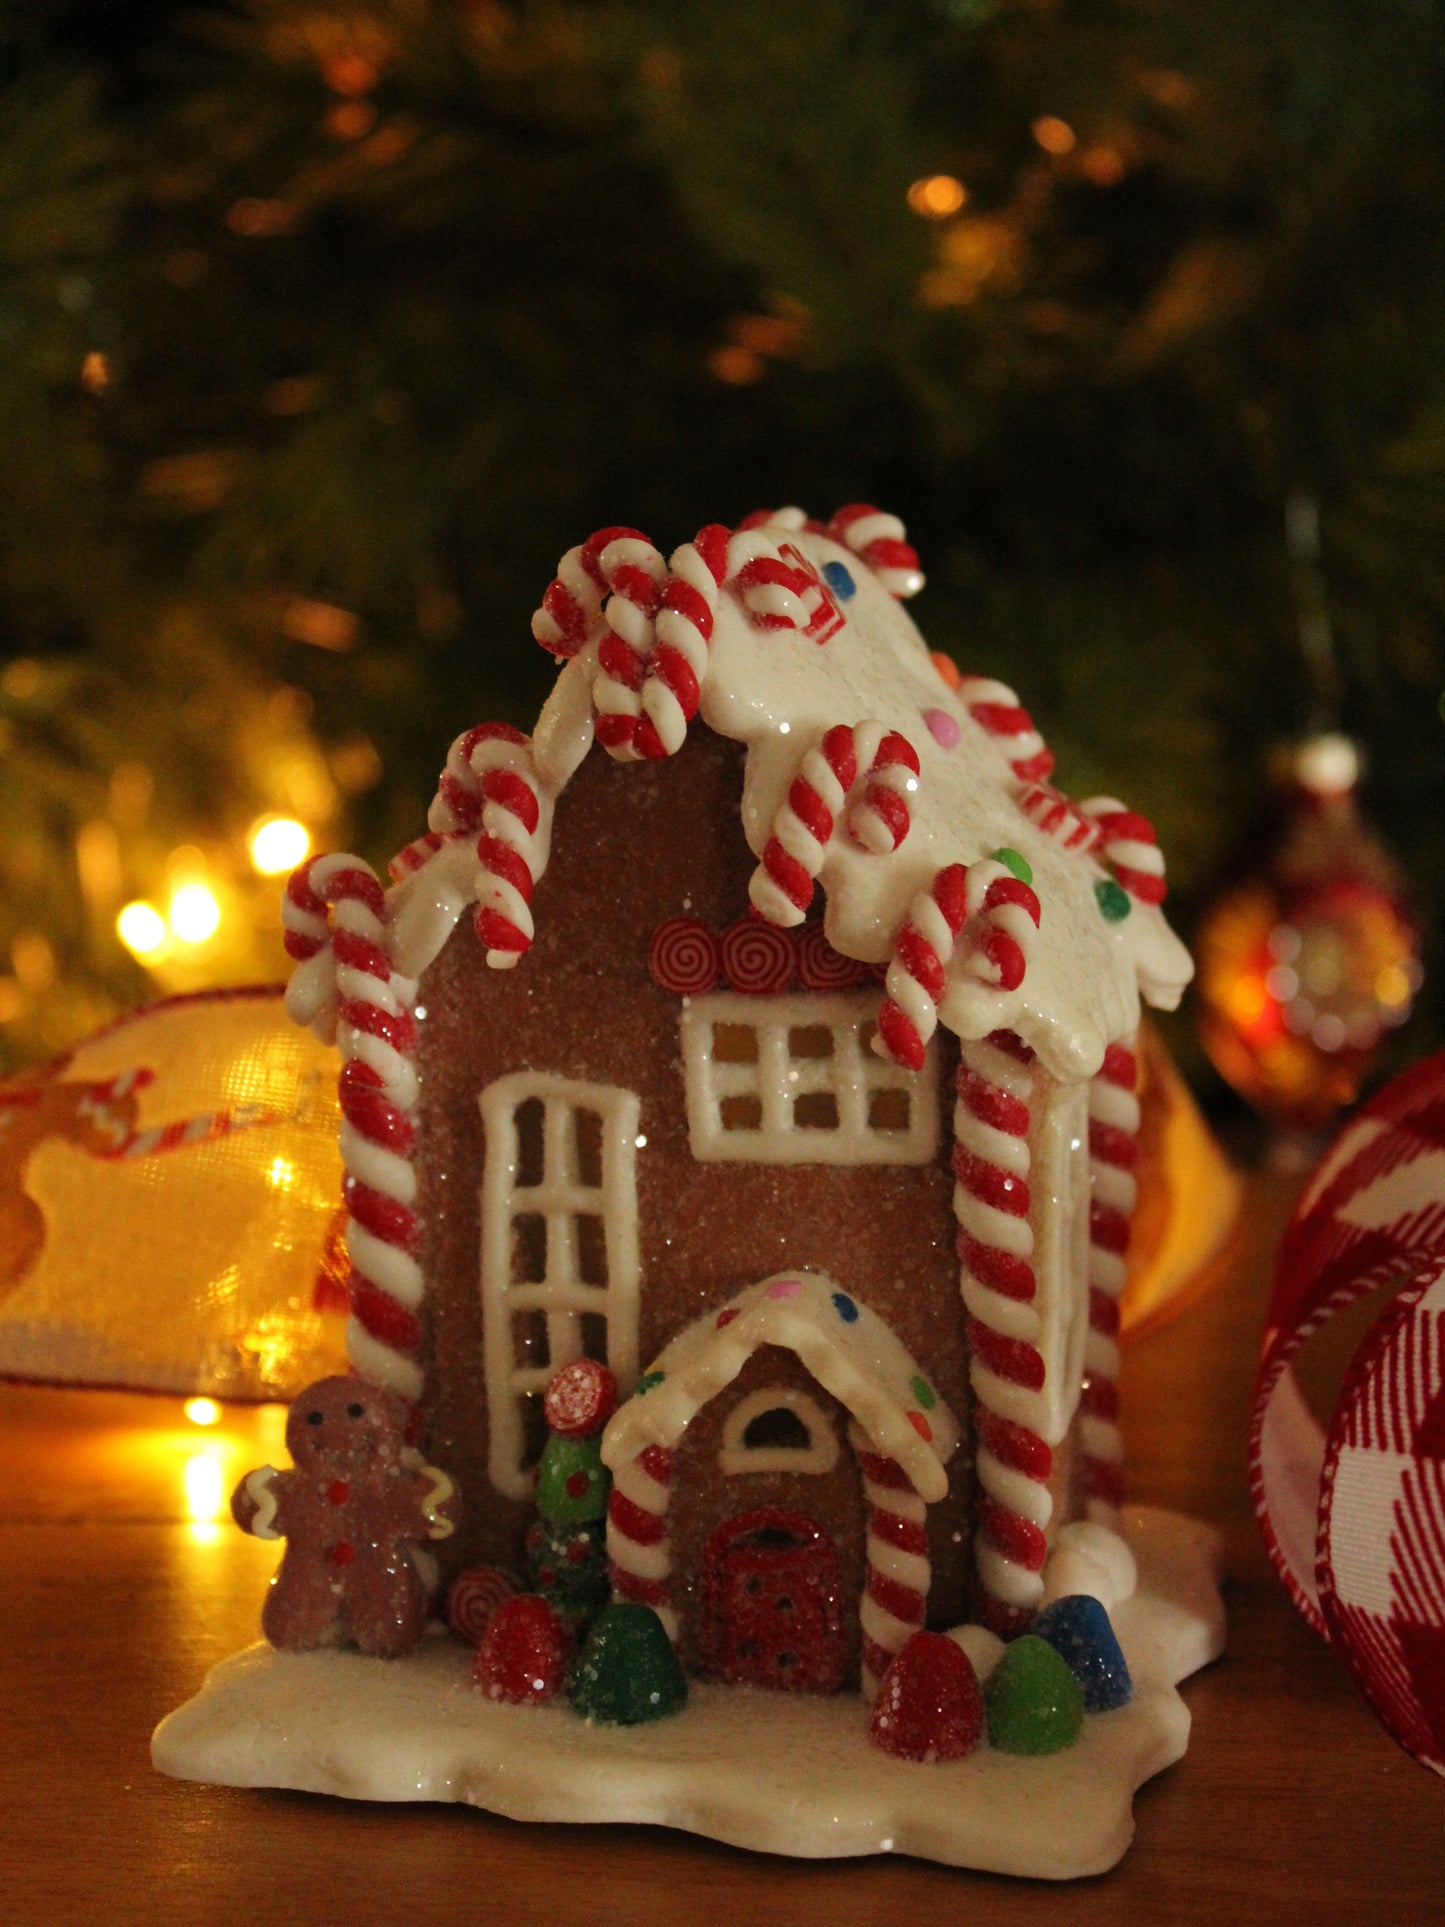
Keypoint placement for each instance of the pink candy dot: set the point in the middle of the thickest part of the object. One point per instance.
(785, 1288)
(943, 728)
(726, 1317)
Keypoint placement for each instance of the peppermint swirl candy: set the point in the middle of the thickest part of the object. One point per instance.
(475, 1595)
(580, 1399)
(821, 967)
(758, 958)
(684, 957)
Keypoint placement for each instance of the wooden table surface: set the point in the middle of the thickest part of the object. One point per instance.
(118, 1590)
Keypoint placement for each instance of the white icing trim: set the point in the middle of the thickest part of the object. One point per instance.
(819, 1455)
(258, 1488)
(776, 1079)
(562, 1294)
(1059, 1211)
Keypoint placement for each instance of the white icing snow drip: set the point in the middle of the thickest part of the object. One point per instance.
(778, 692)
(779, 1772)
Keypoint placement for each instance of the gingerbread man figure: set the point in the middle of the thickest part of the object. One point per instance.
(358, 1500)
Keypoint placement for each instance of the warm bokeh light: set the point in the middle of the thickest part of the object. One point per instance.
(937, 196)
(205, 1482)
(277, 844)
(195, 913)
(142, 929)
(203, 1411)
(95, 373)
(1055, 136)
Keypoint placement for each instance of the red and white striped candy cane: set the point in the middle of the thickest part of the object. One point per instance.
(770, 589)
(1128, 843)
(1004, 912)
(635, 575)
(343, 987)
(638, 1552)
(678, 664)
(879, 540)
(917, 974)
(895, 1591)
(1113, 1155)
(995, 707)
(1006, 1367)
(186, 1131)
(1058, 817)
(781, 888)
(571, 612)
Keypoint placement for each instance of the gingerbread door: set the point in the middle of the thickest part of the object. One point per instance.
(771, 1603)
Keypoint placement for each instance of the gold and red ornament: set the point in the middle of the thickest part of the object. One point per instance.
(1310, 959)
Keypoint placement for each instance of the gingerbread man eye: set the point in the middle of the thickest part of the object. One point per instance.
(355, 1411)
(315, 1418)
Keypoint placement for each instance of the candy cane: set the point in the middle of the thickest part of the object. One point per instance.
(1113, 1154)
(895, 1592)
(678, 664)
(1007, 914)
(635, 574)
(770, 589)
(879, 540)
(995, 707)
(1006, 1366)
(781, 888)
(571, 612)
(1128, 842)
(203, 1129)
(344, 989)
(638, 1552)
(1059, 818)
(916, 980)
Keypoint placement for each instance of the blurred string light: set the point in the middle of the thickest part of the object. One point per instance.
(1055, 136)
(277, 844)
(195, 915)
(142, 929)
(202, 1411)
(937, 196)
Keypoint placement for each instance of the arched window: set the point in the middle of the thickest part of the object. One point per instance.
(778, 1429)
(560, 1266)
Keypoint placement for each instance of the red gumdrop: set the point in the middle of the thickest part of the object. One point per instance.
(580, 1399)
(523, 1655)
(929, 1706)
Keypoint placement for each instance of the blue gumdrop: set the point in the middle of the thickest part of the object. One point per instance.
(1079, 1631)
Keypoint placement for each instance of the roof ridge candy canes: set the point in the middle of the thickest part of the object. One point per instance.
(1059, 817)
(678, 664)
(1129, 844)
(781, 888)
(1113, 1154)
(345, 990)
(996, 709)
(879, 539)
(635, 574)
(1006, 1368)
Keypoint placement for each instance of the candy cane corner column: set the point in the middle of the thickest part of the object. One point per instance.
(895, 1588)
(1113, 1153)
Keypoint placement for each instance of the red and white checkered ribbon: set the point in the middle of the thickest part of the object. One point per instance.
(1354, 1514)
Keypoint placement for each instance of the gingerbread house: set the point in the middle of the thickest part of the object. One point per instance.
(761, 1026)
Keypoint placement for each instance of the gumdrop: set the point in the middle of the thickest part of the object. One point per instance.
(580, 1399)
(628, 1671)
(523, 1656)
(473, 1597)
(929, 1706)
(572, 1482)
(1033, 1700)
(1078, 1629)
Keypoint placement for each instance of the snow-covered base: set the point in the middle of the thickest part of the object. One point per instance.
(771, 1771)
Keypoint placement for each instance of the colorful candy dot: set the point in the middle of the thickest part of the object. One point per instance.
(1112, 899)
(947, 668)
(845, 1308)
(840, 580)
(924, 1393)
(648, 1380)
(785, 1288)
(1011, 860)
(943, 728)
(726, 1317)
(921, 1427)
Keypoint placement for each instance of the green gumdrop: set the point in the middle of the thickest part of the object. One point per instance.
(572, 1482)
(1032, 1700)
(628, 1671)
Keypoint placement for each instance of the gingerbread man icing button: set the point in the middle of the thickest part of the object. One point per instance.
(356, 1501)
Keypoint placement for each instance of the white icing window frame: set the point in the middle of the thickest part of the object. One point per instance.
(562, 1296)
(852, 1074)
(818, 1456)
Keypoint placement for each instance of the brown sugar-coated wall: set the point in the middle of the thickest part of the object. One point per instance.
(633, 845)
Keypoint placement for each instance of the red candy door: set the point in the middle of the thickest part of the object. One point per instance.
(771, 1597)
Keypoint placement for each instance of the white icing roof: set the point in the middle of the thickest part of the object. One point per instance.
(849, 1350)
(778, 692)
